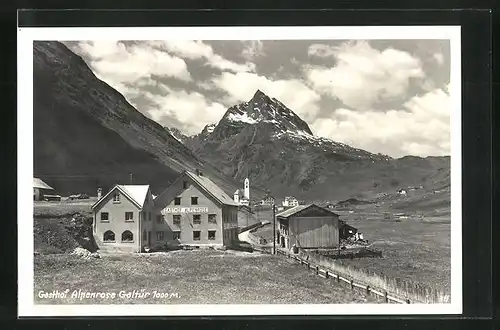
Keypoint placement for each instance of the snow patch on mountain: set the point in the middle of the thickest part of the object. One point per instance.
(210, 128)
(244, 117)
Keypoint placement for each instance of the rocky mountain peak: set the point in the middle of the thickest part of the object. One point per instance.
(260, 110)
(177, 134)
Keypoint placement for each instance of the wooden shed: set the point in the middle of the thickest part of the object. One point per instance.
(40, 189)
(308, 226)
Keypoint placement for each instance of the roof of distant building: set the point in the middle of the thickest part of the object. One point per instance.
(296, 209)
(38, 183)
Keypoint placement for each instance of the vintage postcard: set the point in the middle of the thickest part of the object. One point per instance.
(239, 171)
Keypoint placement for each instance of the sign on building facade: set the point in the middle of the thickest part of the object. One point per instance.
(185, 210)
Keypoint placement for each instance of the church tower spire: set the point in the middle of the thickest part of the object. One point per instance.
(246, 191)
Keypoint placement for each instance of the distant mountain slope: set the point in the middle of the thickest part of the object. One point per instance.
(177, 134)
(87, 134)
(266, 141)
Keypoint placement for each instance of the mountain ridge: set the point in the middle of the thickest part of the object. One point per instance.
(86, 134)
(266, 141)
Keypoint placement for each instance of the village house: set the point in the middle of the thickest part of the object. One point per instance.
(198, 212)
(40, 189)
(122, 215)
(290, 201)
(267, 201)
(308, 226)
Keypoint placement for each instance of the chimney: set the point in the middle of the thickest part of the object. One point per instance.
(99, 193)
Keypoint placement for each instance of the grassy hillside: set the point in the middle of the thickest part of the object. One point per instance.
(87, 135)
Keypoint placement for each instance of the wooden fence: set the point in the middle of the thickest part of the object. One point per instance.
(325, 273)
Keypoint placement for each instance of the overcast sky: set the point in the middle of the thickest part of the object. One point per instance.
(387, 96)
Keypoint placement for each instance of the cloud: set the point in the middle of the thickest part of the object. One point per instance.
(253, 49)
(362, 75)
(190, 109)
(439, 58)
(195, 49)
(421, 127)
(122, 64)
(321, 50)
(296, 95)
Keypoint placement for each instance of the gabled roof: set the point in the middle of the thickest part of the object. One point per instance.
(294, 210)
(38, 183)
(212, 189)
(135, 193)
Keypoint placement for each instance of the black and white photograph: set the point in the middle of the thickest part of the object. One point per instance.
(240, 171)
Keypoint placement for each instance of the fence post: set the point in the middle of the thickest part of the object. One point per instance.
(317, 270)
(408, 301)
(338, 278)
(326, 273)
(385, 297)
(352, 284)
(368, 290)
(308, 265)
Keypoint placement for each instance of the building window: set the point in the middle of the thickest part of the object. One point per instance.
(144, 235)
(196, 235)
(212, 218)
(211, 235)
(129, 216)
(109, 236)
(177, 219)
(149, 216)
(177, 201)
(159, 218)
(184, 184)
(196, 219)
(176, 235)
(160, 235)
(104, 216)
(116, 198)
(127, 236)
(194, 200)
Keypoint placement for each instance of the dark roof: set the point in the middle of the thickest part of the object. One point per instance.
(211, 188)
(294, 210)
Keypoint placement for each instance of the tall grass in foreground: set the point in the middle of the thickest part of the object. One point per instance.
(414, 291)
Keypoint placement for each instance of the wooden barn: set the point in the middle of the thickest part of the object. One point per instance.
(308, 226)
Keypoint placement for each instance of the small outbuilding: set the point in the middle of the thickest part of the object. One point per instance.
(308, 226)
(40, 189)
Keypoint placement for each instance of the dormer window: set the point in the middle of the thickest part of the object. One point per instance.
(194, 200)
(116, 198)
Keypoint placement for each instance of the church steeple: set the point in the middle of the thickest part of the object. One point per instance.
(246, 191)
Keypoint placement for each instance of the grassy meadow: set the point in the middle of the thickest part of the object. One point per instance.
(415, 247)
(189, 277)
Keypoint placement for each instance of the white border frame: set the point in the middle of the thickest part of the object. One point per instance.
(26, 36)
